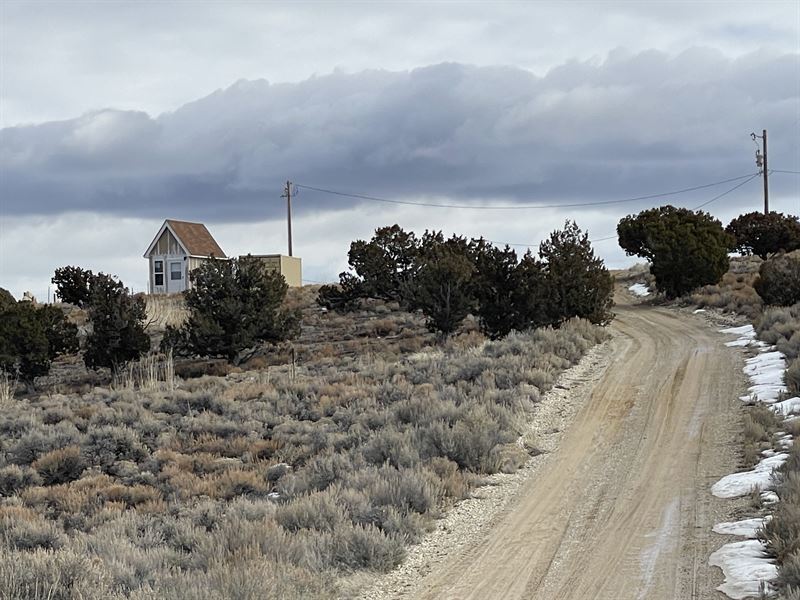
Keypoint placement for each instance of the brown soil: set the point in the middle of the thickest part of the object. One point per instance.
(623, 508)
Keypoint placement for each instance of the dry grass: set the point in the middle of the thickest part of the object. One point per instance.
(7, 387)
(267, 483)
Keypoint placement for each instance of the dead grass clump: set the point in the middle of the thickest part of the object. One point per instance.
(734, 294)
(237, 482)
(29, 534)
(42, 440)
(108, 444)
(318, 511)
(48, 575)
(789, 576)
(246, 576)
(133, 495)
(14, 479)
(792, 377)
(781, 326)
(60, 466)
(7, 387)
(781, 534)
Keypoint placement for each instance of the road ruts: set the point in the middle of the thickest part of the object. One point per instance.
(622, 510)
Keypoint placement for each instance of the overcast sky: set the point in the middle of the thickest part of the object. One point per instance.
(116, 115)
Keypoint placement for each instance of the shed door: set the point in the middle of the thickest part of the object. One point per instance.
(177, 277)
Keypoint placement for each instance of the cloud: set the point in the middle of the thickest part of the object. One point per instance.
(632, 124)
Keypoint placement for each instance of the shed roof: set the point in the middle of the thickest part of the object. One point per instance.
(194, 237)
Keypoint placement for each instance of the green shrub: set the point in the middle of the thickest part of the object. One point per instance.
(117, 318)
(31, 337)
(686, 249)
(233, 305)
(443, 287)
(73, 285)
(762, 235)
(576, 281)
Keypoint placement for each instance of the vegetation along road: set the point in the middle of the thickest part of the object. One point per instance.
(623, 508)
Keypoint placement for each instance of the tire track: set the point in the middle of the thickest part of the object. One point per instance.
(623, 510)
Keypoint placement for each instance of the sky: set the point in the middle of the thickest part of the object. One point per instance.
(117, 115)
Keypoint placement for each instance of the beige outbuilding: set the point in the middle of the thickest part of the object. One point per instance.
(291, 267)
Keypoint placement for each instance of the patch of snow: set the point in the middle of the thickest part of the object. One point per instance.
(769, 497)
(745, 528)
(699, 310)
(741, 484)
(743, 331)
(746, 568)
(787, 407)
(765, 371)
(639, 289)
(747, 336)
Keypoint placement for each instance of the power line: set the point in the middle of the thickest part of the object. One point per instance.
(602, 239)
(613, 237)
(524, 206)
(715, 198)
(784, 171)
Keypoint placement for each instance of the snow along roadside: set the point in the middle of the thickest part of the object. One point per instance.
(466, 522)
(745, 564)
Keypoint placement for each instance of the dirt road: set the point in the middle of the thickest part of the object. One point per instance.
(623, 509)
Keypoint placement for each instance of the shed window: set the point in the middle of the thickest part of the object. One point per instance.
(175, 271)
(158, 270)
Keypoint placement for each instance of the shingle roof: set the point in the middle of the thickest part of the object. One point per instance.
(196, 239)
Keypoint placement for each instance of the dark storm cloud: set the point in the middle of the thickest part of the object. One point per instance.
(632, 124)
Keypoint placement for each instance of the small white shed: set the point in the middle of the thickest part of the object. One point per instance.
(178, 248)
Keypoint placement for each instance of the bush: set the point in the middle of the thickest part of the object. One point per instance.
(6, 299)
(60, 466)
(384, 268)
(779, 280)
(31, 337)
(357, 547)
(47, 575)
(73, 285)
(686, 249)
(233, 305)
(22, 534)
(14, 478)
(443, 287)
(117, 317)
(781, 326)
(108, 444)
(449, 279)
(577, 282)
(762, 235)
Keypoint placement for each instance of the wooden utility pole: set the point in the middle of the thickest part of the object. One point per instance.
(287, 193)
(766, 174)
(761, 162)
